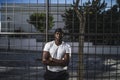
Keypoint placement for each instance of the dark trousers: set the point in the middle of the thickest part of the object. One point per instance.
(62, 75)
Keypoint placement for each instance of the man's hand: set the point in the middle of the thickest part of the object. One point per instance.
(51, 59)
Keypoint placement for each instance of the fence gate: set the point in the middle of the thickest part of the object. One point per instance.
(26, 25)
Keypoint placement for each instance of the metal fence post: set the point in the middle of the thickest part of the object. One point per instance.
(47, 19)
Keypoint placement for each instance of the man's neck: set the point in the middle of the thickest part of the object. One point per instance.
(58, 42)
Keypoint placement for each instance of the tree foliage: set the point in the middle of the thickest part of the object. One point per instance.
(38, 20)
(99, 20)
(89, 11)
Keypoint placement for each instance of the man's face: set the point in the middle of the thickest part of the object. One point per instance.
(58, 35)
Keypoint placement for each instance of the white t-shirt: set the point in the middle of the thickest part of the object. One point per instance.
(52, 48)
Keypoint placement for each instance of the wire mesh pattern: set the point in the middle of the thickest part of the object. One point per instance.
(25, 26)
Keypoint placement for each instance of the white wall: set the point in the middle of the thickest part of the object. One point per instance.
(31, 44)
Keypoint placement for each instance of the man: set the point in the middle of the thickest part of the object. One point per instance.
(56, 56)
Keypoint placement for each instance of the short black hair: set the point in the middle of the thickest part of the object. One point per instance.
(59, 30)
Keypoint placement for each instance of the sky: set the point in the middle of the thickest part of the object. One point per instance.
(42, 1)
(35, 1)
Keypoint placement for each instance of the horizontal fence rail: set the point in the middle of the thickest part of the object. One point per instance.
(22, 40)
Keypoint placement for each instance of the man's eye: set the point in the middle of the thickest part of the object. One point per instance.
(57, 33)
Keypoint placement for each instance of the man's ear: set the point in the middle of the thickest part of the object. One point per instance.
(54, 35)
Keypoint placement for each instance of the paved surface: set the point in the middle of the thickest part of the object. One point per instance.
(22, 65)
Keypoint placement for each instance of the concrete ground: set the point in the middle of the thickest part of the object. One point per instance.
(22, 65)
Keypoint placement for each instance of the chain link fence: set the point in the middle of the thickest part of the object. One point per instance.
(24, 33)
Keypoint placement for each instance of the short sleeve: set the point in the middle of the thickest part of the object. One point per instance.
(46, 47)
(68, 49)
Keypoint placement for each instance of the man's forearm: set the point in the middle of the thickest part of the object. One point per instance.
(54, 62)
(58, 62)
